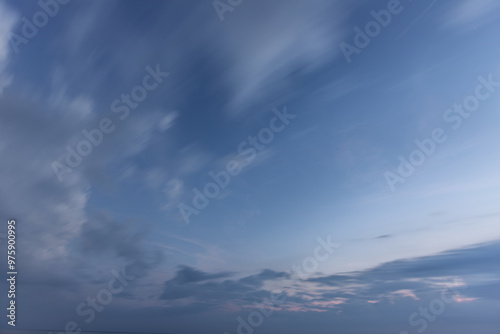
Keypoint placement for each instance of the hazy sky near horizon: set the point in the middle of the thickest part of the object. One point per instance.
(386, 145)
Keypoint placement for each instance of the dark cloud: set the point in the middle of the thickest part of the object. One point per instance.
(104, 236)
(264, 275)
(335, 280)
(403, 281)
(475, 265)
(187, 275)
(384, 296)
(209, 290)
(468, 261)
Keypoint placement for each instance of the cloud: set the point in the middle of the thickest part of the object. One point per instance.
(187, 275)
(173, 190)
(69, 246)
(155, 178)
(475, 12)
(398, 288)
(394, 282)
(418, 277)
(49, 214)
(168, 121)
(8, 20)
(266, 275)
(53, 215)
(208, 289)
(30, 136)
(103, 236)
(291, 37)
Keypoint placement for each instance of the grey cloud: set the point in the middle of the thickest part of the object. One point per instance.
(190, 275)
(420, 274)
(103, 235)
(264, 275)
(207, 289)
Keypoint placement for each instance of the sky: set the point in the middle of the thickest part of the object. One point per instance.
(251, 166)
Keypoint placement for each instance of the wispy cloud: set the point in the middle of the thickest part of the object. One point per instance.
(8, 19)
(471, 12)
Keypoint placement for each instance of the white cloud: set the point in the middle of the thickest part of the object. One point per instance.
(155, 178)
(51, 211)
(289, 36)
(192, 159)
(128, 172)
(73, 108)
(7, 21)
(471, 11)
(168, 121)
(173, 190)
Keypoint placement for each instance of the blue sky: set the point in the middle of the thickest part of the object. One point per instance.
(323, 174)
